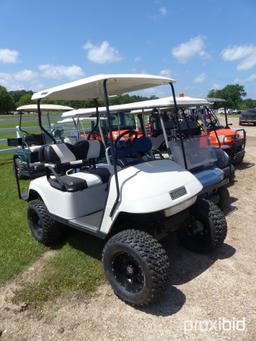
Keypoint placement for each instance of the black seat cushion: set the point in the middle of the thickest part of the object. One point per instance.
(34, 139)
(67, 183)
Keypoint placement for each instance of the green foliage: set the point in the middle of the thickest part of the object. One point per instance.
(232, 93)
(6, 101)
(18, 94)
(247, 103)
(24, 99)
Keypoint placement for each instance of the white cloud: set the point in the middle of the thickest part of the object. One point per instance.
(25, 75)
(24, 79)
(163, 11)
(8, 56)
(200, 78)
(166, 73)
(102, 53)
(245, 54)
(60, 71)
(194, 47)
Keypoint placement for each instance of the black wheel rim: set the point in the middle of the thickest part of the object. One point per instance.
(128, 272)
(197, 230)
(35, 225)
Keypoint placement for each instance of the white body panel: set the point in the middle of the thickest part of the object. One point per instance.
(144, 188)
(70, 205)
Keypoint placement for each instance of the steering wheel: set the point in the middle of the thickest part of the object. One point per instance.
(127, 142)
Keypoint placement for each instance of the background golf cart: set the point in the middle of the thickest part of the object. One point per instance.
(116, 208)
(121, 121)
(26, 156)
(230, 140)
(186, 144)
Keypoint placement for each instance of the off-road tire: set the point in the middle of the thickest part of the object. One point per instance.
(238, 161)
(214, 225)
(224, 198)
(147, 256)
(43, 228)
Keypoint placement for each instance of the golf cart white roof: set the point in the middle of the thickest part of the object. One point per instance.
(44, 107)
(135, 107)
(216, 100)
(71, 119)
(92, 87)
(165, 102)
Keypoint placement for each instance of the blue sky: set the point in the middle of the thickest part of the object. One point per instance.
(202, 44)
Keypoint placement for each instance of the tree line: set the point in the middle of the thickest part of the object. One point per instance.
(234, 94)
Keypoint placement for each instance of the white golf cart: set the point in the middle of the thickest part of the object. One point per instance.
(26, 157)
(127, 206)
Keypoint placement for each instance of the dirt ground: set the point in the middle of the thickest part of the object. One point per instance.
(210, 297)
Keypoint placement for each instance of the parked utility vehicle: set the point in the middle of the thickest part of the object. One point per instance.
(26, 156)
(232, 141)
(127, 206)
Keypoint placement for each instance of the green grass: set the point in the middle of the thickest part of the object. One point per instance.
(75, 268)
(17, 248)
(68, 272)
(24, 124)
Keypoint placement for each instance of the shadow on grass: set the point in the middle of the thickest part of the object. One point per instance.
(84, 242)
(185, 266)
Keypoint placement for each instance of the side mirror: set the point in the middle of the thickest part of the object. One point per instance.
(14, 142)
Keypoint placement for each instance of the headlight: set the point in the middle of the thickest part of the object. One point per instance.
(228, 139)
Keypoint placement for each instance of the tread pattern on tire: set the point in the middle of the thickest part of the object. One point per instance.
(220, 223)
(51, 231)
(152, 253)
(224, 198)
(217, 226)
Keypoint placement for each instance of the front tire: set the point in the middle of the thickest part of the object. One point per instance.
(136, 266)
(207, 229)
(43, 228)
(224, 200)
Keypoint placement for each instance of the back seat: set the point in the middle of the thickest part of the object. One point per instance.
(62, 154)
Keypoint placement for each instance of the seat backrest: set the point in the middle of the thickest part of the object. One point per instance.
(34, 139)
(142, 145)
(66, 152)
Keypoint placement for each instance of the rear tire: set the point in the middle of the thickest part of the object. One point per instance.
(43, 228)
(207, 230)
(136, 266)
(224, 201)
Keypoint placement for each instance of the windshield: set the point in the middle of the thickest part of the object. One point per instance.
(185, 129)
(123, 121)
(211, 120)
